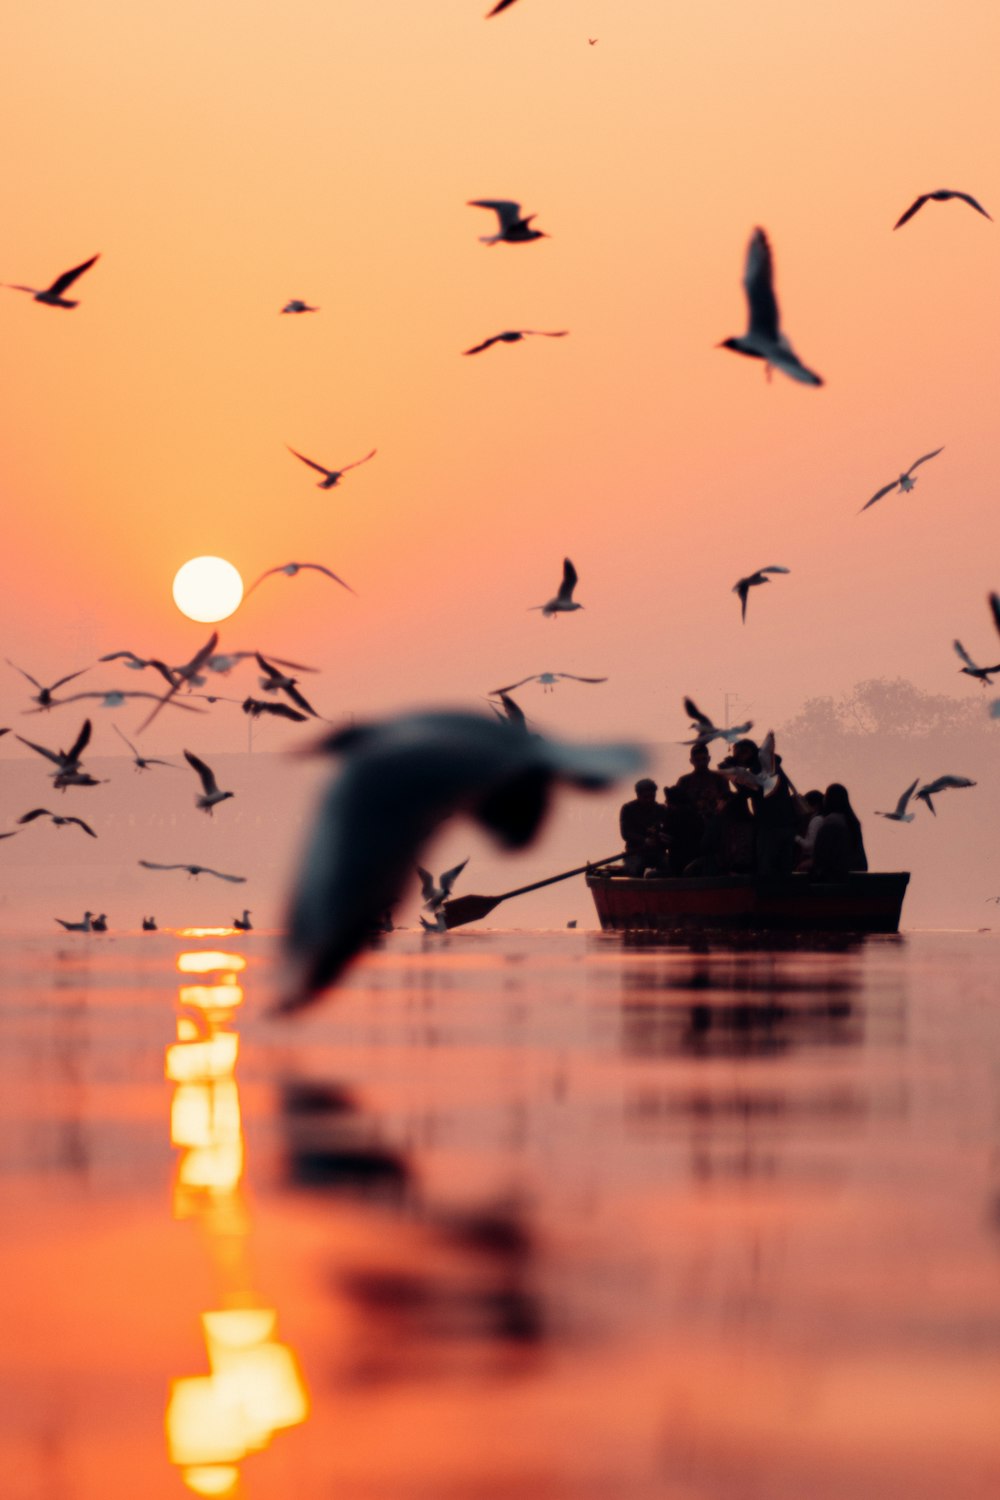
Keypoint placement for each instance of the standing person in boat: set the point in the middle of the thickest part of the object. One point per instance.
(640, 824)
(683, 828)
(739, 852)
(703, 785)
(776, 816)
(839, 847)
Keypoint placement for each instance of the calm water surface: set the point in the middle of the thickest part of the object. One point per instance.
(511, 1215)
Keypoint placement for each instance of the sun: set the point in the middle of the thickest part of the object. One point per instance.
(207, 589)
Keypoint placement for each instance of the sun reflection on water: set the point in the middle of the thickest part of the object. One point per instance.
(254, 1387)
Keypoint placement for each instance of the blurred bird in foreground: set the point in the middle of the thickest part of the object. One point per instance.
(512, 227)
(52, 296)
(563, 602)
(433, 894)
(764, 338)
(399, 779)
(982, 674)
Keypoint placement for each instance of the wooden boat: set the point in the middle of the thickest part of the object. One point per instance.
(725, 903)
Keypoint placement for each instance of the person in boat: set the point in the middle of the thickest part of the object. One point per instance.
(683, 828)
(811, 819)
(737, 854)
(776, 816)
(840, 846)
(704, 786)
(640, 825)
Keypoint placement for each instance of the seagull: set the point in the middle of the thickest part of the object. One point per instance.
(297, 306)
(149, 924)
(212, 796)
(512, 228)
(276, 681)
(510, 712)
(52, 296)
(763, 338)
(43, 812)
(243, 924)
(901, 815)
(563, 601)
(68, 761)
(141, 761)
(971, 670)
(514, 336)
(764, 780)
(140, 663)
(400, 779)
(941, 784)
(115, 698)
(84, 926)
(195, 870)
(44, 697)
(186, 674)
(707, 731)
(75, 778)
(100, 924)
(904, 481)
(331, 477)
(290, 570)
(941, 196)
(547, 679)
(434, 894)
(439, 923)
(255, 707)
(744, 585)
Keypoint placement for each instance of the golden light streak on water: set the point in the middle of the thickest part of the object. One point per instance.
(207, 960)
(215, 997)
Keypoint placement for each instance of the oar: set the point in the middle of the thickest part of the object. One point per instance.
(471, 908)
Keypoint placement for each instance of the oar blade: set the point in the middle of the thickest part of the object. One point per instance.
(468, 909)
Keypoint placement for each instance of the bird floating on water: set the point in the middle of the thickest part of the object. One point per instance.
(744, 585)
(43, 812)
(290, 570)
(899, 814)
(514, 336)
(707, 731)
(84, 926)
(195, 871)
(563, 602)
(210, 788)
(52, 296)
(548, 680)
(512, 228)
(296, 305)
(243, 924)
(149, 924)
(941, 784)
(399, 780)
(982, 674)
(100, 924)
(433, 895)
(763, 338)
(941, 196)
(904, 483)
(331, 477)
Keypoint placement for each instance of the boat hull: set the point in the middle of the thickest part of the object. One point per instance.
(793, 903)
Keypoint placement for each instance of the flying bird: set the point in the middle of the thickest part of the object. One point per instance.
(904, 483)
(512, 229)
(399, 780)
(140, 663)
(764, 780)
(195, 870)
(563, 601)
(84, 926)
(211, 795)
(331, 477)
(941, 196)
(941, 784)
(44, 697)
(184, 675)
(763, 338)
(547, 679)
(142, 761)
(514, 336)
(297, 306)
(971, 670)
(433, 895)
(744, 585)
(43, 812)
(52, 296)
(256, 706)
(115, 698)
(290, 570)
(707, 731)
(900, 815)
(278, 682)
(68, 761)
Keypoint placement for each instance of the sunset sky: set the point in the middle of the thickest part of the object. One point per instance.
(225, 158)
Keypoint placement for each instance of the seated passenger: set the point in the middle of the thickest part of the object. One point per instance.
(639, 823)
(806, 840)
(683, 827)
(701, 784)
(839, 846)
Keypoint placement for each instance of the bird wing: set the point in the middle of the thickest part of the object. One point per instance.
(318, 467)
(968, 198)
(942, 784)
(542, 333)
(68, 678)
(164, 671)
(904, 799)
(266, 667)
(81, 742)
(67, 278)
(508, 212)
(885, 490)
(114, 655)
(496, 692)
(148, 864)
(33, 680)
(923, 460)
(125, 738)
(291, 691)
(478, 348)
(260, 580)
(450, 876)
(359, 461)
(774, 569)
(580, 679)
(40, 749)
(500, 5)
(766, 754)
(208, 780)
(694, 712)
(426, 882)
(282, 711)
(36, 812)
(743, 589)
(514, 712)
(914, 208)
(569, 581)
(319, 568)
(995, 607)
(234, 879)
(85, 826)
(758, 283)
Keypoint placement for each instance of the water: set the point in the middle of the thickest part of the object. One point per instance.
(512, 1215)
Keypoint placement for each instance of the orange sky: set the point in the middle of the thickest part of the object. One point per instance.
(224, 158)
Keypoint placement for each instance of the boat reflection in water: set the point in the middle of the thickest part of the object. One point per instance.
(253, 1387)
